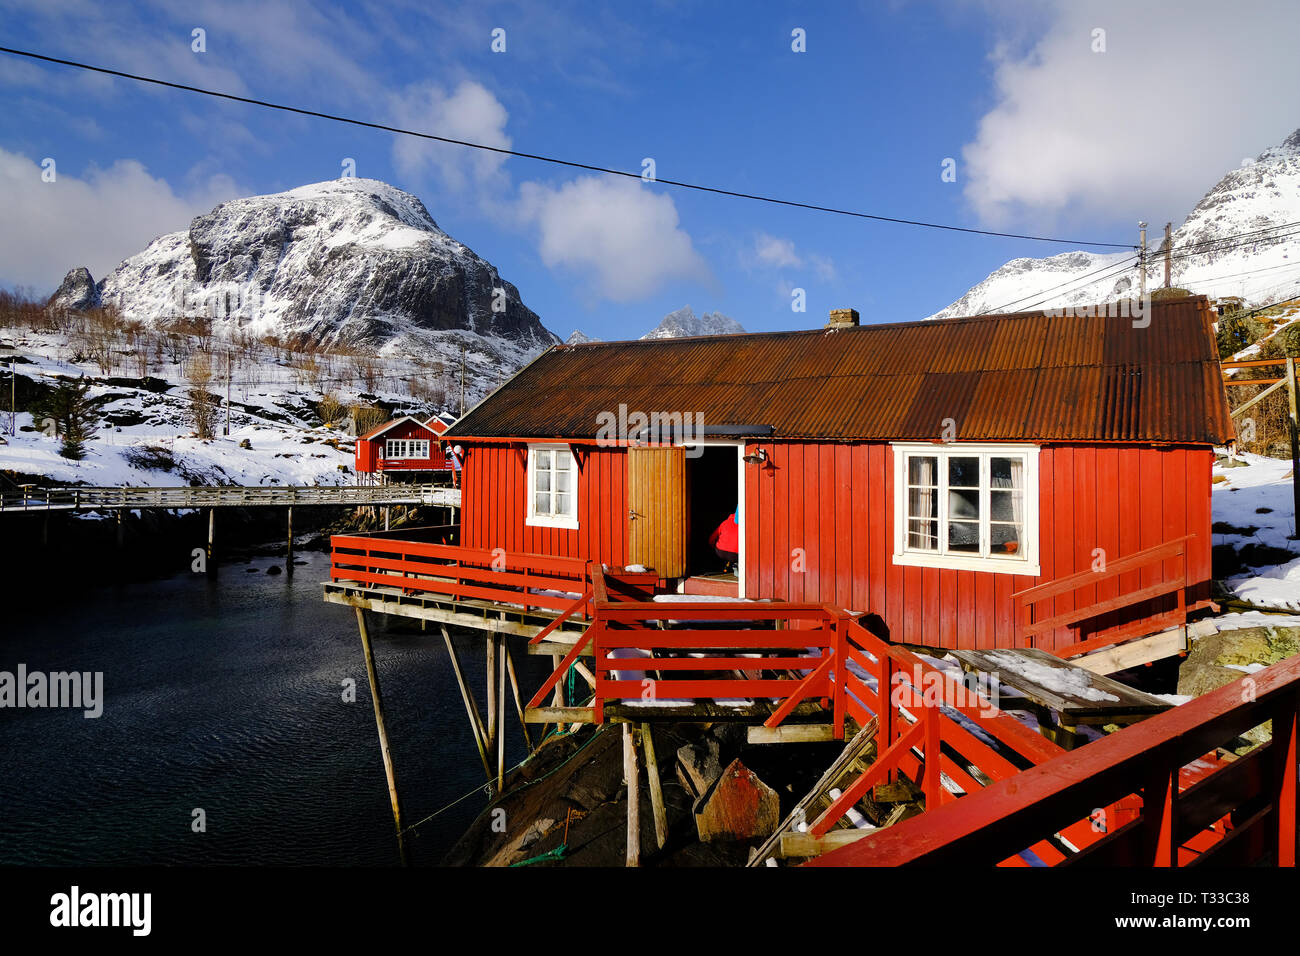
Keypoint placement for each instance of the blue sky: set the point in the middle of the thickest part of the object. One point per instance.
(1050, 135)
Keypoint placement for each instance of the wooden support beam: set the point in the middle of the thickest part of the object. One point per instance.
(501, 712)
(1134, 653)
(790, 733)
(514, 688)
(377, 700)
(471, 706)
(633, 798)
(288, 551)
(560, 715)
(656, 790)
(802, 845)
(491, 694)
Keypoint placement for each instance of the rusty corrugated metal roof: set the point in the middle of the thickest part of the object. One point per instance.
(1027, 376)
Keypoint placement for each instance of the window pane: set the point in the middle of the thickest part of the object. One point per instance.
(1005, 540)
(542, 481)
(922, 470)
(543, 459)
(561, 504)
(1006, 506)
(542, 503)
(964, 536)
(562, 479)
(1007, 472)
(922, 503)
(963, 472)
(964, 504)
(564, 459)
(923, 535)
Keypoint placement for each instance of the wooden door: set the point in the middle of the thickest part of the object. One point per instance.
(656, 500)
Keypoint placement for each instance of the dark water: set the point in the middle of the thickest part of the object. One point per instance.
(227, 696)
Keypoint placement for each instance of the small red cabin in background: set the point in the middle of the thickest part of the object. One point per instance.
(405, 449)
(926, 474)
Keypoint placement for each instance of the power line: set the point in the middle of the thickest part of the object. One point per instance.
(550, 159)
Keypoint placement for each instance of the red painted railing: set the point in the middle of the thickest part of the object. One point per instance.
(525, 581)
(1226, 813)
(1173, 552)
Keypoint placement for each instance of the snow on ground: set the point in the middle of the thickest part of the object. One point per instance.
(147, 438)
(1253, 505)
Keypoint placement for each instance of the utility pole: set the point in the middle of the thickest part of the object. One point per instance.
(227, 390)
(1169, 250)
(462, 380)
(13, 403)
(1142, 262)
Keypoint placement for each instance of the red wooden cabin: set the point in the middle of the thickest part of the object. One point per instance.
(404, 449)
(921, 473)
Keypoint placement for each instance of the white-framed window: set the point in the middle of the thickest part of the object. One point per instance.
(967, 506)
(406, 448)
(552, 487)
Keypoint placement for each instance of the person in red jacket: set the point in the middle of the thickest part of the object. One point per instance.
(725, 539)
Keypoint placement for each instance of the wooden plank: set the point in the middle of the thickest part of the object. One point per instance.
(790, 733)
(1129, 700)
(1134, 653)
(559, 715)
(804, 845)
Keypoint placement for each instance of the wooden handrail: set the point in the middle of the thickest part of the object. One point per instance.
(1024, 601)
(1010, 815)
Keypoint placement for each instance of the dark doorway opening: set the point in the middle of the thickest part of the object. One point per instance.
(713, 492)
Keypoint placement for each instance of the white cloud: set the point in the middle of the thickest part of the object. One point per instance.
(774, 252)
(93, 221)
(470, 113)
(1184, 90)
(769, 250)
(623, 237)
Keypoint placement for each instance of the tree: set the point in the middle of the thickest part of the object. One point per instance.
(203, 405)
(69, 413)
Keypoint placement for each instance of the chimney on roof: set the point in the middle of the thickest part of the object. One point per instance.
(843, 319)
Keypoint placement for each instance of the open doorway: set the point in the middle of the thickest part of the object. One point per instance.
(713, 496)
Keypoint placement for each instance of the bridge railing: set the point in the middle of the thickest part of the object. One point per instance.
(33, 498)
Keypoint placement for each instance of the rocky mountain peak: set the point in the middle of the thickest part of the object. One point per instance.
(683, 323)
(354, 261)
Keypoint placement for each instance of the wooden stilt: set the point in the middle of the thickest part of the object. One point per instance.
(501, 712)
(491, 693)
(387, 509)
(656, 791)
(375, 697)
(288, 553)
(120, 536)
(212, 537)
(471, 708)
(514, 687)
(633, 798)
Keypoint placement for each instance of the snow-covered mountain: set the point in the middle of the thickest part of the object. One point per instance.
(684, 323)
(579, 337)
(353, 261)
(1241, 239)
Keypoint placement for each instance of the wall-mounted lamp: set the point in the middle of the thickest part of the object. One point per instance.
(755, 457)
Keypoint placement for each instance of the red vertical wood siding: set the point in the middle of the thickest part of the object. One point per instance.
(819, 526)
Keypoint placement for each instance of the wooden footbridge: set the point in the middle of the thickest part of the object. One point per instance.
(85, 498)
(1169, 789)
